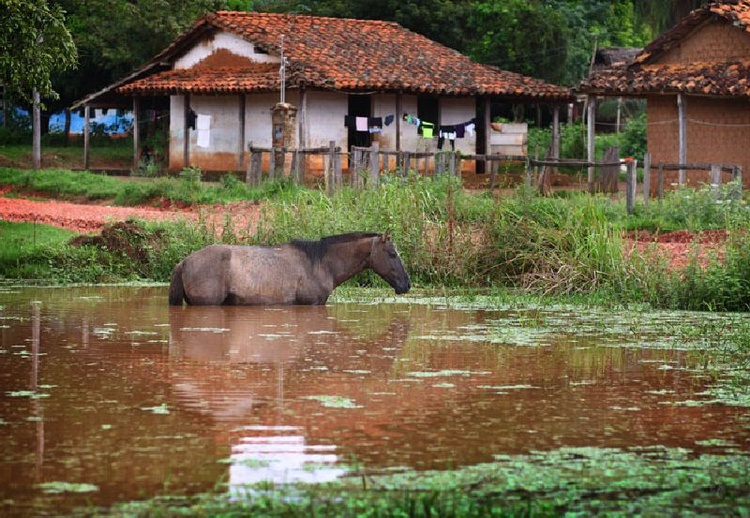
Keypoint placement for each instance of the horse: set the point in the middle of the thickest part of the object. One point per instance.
(297, 272)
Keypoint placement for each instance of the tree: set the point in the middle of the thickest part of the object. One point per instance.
(34, 45)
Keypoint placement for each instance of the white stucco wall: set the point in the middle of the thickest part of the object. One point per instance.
(325, 112)
(223, 40)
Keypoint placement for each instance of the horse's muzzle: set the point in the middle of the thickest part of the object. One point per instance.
(403, 288)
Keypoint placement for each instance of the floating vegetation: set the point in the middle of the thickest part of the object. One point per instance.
(334, 401)
(162, 409)
(55, 488)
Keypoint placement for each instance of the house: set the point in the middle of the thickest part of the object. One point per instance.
(303, 81)
(695, 78)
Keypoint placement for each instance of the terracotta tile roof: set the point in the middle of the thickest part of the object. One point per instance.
(643, 76)
(713, 79)
(261, 77)
(341, 54)
(736, 12)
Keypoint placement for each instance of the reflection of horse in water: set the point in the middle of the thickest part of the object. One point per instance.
(299, 272)
(226, 361)
(278, 334)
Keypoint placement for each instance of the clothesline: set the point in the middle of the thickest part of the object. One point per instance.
(425, 128)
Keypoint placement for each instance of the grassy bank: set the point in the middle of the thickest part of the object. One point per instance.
(569, 244)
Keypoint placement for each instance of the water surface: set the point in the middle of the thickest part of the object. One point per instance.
(109, 391)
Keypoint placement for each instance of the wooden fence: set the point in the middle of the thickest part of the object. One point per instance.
(366, 164)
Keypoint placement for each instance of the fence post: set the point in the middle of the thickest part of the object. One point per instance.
(294, 169)
(737, 176)
(453, 160)
(715, 177)
(646, 178)
(249, 170)
(354, 165)
(374, 165)
(660, 182)
(337, 165)
(528, 172)
(629, 198)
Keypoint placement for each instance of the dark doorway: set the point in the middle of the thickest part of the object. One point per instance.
(359, 106)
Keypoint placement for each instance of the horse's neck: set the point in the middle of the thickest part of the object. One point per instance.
(345, 260)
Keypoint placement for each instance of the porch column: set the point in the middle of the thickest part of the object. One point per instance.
(241, 133)
(186, 132)
(591, 143)
(555, 151)
(486, 120)
(302, 132)
(399, 114)
(555, 132)
(682, 137)
(136, 130)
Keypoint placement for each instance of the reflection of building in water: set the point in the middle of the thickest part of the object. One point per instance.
(280, 454)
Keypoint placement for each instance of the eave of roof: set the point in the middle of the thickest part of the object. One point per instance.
(709, 79)
(262, 77)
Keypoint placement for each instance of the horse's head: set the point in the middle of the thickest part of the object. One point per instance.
(386, 262)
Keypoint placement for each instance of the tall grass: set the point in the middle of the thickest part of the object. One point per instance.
(571, 245)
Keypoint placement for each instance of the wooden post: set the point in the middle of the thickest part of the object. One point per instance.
(249, 171)
(660, 182)
(646, 178)
(374, 165)
(399, 114)
(682, 135)
(86, 138)
(337, 166)
(715, 177)
(555, 145)
(591, 143)
(302, 132)
(528, 172)
(294, 169)
(186, 143)
(136, 131)
(330, 179)
(241, 133)
(487, 119)
(272, 164)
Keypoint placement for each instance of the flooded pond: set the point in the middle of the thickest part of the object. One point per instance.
(108, 395)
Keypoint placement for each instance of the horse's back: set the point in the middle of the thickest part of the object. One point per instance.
(248, 275)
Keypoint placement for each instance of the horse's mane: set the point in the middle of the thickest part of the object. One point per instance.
(316, 250)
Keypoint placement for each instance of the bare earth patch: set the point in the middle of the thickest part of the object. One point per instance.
(88, 218)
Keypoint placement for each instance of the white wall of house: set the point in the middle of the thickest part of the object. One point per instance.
(223, 40)
(459, 111)
(325, 118)
(217, 146)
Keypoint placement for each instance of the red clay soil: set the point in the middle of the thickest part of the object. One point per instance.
(679, 247)
(89, 218)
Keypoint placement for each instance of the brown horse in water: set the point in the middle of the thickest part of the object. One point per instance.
(298, 272)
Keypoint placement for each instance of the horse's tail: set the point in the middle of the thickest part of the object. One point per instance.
(176, 288)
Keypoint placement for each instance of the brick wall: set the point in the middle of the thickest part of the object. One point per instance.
(713, 41)
(718, 131)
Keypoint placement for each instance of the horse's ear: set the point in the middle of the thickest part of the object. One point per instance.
(387, 235)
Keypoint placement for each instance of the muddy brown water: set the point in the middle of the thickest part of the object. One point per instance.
(109, 386)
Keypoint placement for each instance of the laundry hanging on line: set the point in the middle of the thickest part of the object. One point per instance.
(364, 124)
